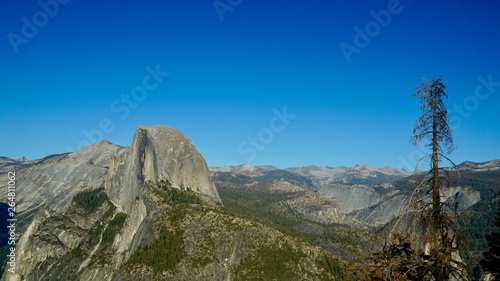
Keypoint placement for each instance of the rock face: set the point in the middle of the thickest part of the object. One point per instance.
(353, 197)
(377, 205)
(83, 214)
(54, 180)
(158, 153)
(314, 206)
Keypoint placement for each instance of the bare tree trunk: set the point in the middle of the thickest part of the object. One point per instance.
(436, 205)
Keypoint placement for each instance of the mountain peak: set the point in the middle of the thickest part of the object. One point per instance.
(158, 153)
(363, 166)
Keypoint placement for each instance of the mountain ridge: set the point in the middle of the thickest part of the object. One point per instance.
(359, 171)
(84, 213)
(373, 196)
(319, 176)
(104, 209)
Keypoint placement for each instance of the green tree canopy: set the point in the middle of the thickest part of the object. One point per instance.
(491, 260)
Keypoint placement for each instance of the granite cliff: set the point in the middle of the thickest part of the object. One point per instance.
(82, 214)
(157, 153)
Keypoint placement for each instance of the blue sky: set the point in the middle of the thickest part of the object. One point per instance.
(258, 82)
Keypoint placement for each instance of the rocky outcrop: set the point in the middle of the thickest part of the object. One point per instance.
(83, 214)
(377, 205)
(216, 245)
(352, 197)
(158, 153)
(54, 180)
(314, 206)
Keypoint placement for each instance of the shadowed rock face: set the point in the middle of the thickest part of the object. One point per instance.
(158, 153)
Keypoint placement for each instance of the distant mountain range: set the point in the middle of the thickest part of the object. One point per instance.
(314, 177)
(362, 197)
(370, 195)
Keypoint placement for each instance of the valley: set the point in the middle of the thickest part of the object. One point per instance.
(156, 211)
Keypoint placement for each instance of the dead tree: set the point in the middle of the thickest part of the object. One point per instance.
(424, 243)
(432, 126)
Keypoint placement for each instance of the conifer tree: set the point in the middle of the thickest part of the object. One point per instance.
(491, 260)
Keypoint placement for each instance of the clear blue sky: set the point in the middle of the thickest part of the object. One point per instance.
(258, 82)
